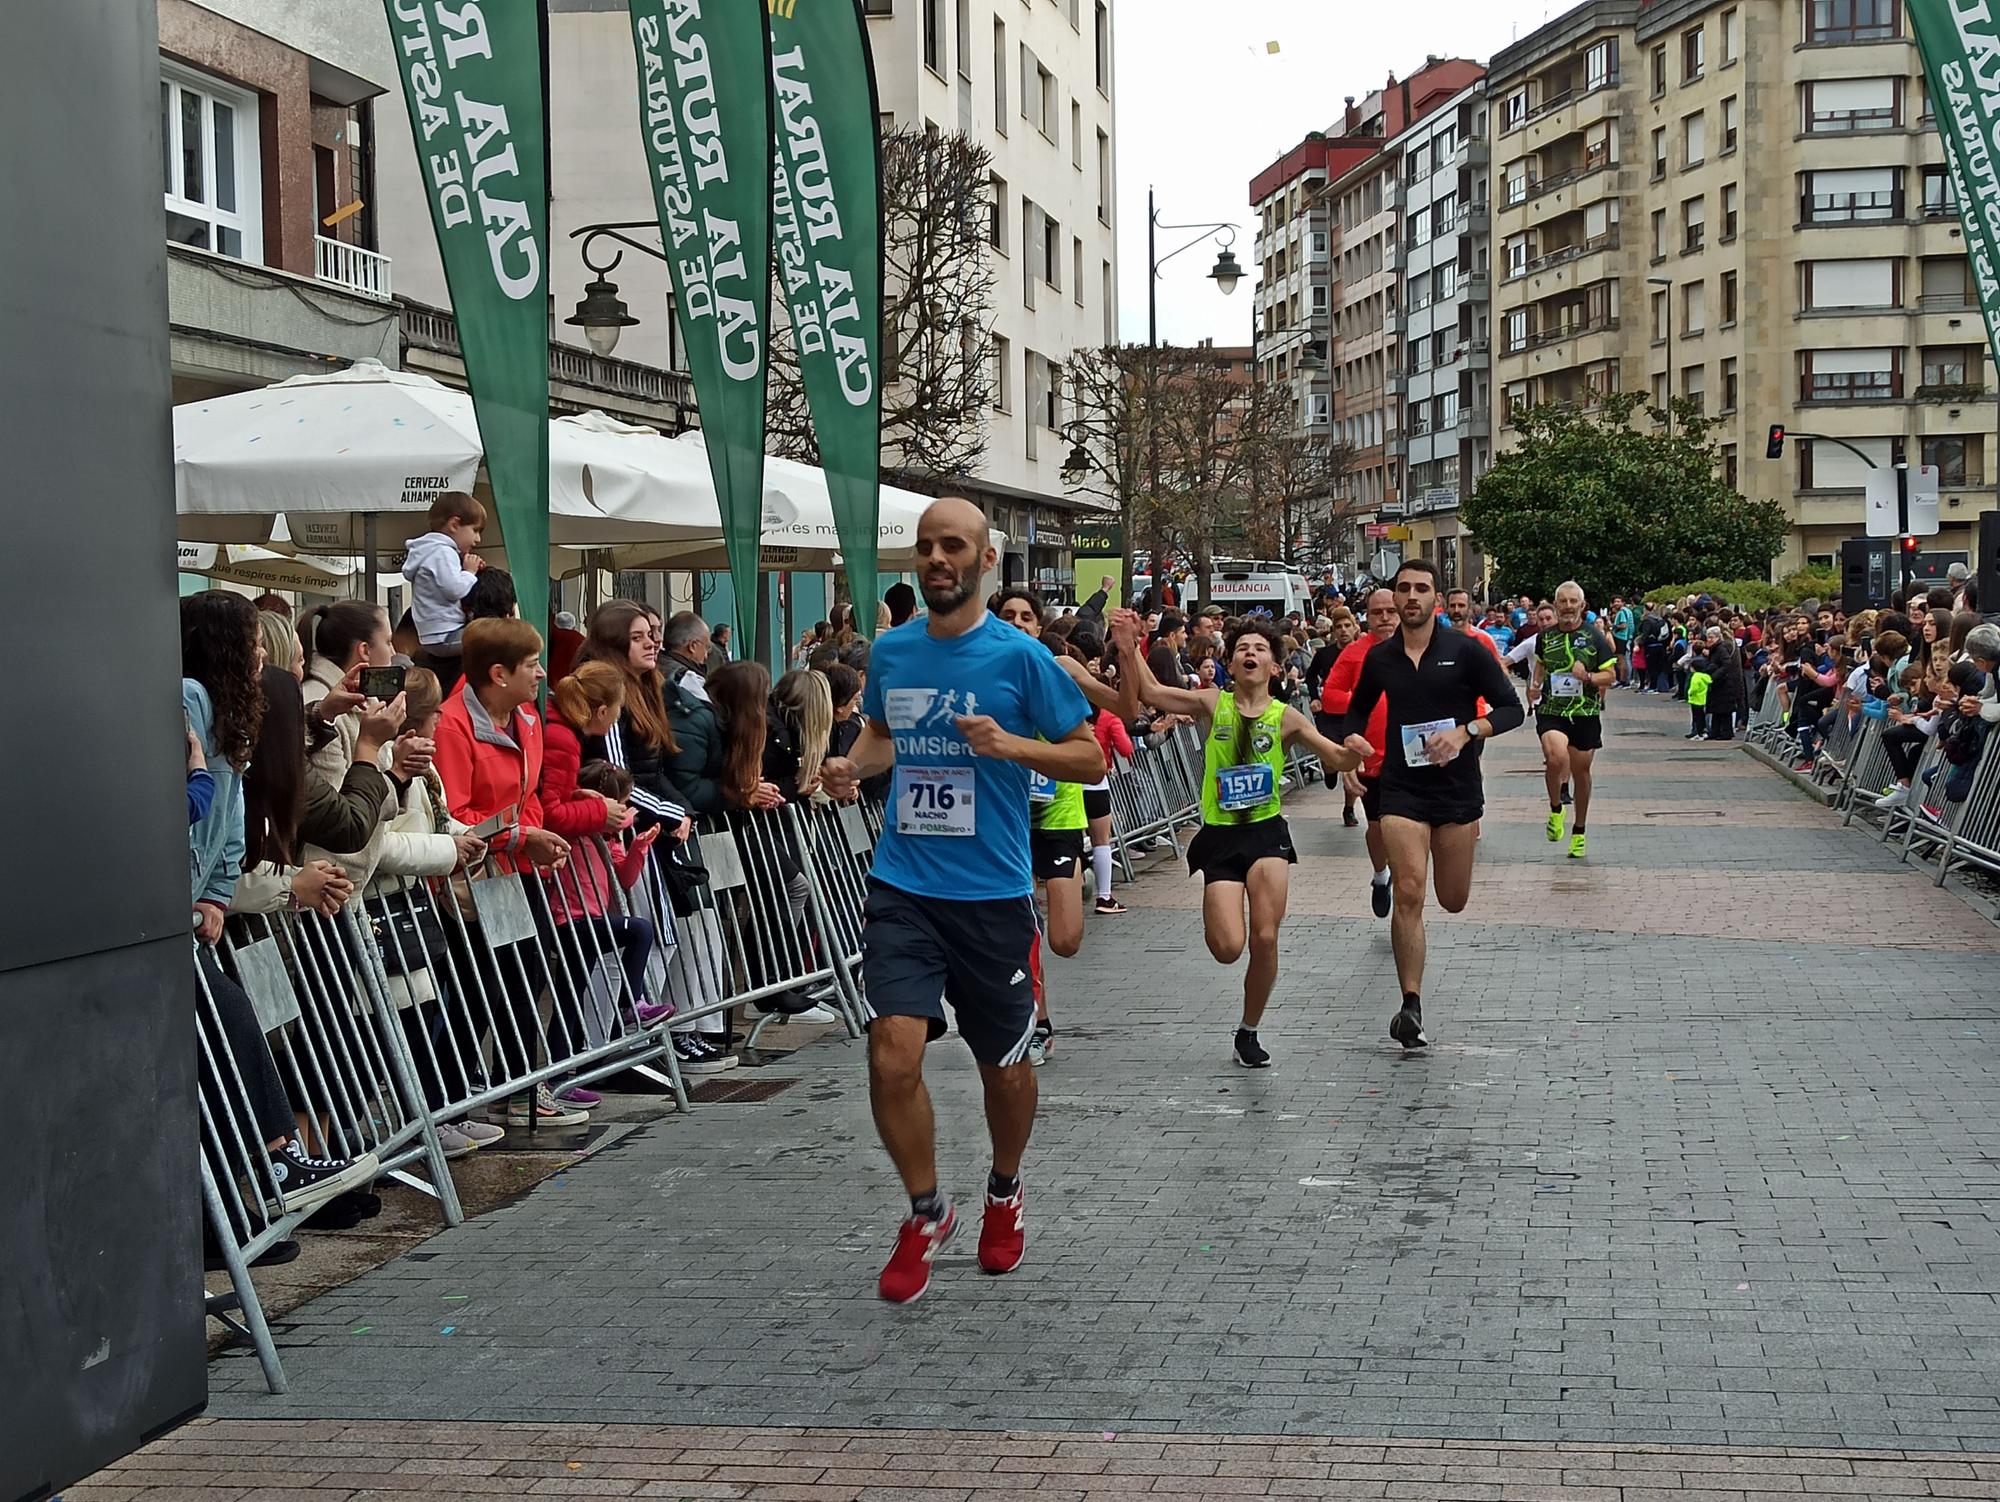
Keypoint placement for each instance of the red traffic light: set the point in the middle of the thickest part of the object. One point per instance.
(1774, 445)
(1909, 544)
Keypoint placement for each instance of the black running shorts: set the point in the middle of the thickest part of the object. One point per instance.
(1226, 852)
(1055, 853)
(1585, 732)
(1371, 797)
(917, 953)
(1429, 808)
(1097, 803)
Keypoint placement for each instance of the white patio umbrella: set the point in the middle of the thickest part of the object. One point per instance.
(262, 568)
(306, 463)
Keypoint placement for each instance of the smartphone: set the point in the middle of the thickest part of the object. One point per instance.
(381, 683)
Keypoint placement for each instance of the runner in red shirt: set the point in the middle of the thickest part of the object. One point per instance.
(1334, 697)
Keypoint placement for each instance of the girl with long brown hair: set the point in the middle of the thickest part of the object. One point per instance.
(621, 634)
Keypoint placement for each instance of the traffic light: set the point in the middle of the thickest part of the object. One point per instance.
(1774, 445)
(1909, 547)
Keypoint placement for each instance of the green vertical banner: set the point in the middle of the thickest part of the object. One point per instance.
(705, 115)
(1959, 42)
(472, 77)
(827, 221)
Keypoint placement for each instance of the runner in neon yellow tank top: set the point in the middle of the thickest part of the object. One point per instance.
(1244, 851)
(1057, 824)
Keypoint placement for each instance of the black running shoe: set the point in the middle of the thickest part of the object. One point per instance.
(1407, 1028)
(1566, 794)
(1249, 1052)
(1347, 817)
(1378, 897)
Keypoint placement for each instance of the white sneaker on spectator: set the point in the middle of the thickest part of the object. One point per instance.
(1896, 797)
(819, 1013)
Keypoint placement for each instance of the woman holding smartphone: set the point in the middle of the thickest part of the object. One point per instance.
(339, 640)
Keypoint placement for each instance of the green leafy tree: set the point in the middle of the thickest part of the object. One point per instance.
(1588, 495)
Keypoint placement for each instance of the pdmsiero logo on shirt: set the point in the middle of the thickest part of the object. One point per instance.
(925, 721)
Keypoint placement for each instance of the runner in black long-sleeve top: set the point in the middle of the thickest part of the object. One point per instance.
(1447, 693)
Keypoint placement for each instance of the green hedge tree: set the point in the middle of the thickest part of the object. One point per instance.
(1620, 508)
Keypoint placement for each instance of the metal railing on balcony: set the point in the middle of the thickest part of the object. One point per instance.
(1563, 255)
(1563, 331)
(1882, 206)
(1853, 386)
(1947, 302)
(342, 265)
(435, 329)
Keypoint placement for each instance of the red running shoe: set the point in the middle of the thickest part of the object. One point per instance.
(1003, 1234)
(909, 1271)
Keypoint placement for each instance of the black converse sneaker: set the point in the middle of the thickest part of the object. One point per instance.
(1249, 1052)
(305, 1181)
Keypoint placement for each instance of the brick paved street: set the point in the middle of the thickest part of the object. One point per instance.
(1704, 1156)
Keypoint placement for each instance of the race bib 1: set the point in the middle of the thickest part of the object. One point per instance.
(1417, 737)
(1565, 686)
(934, 801)
(1041, 789)
(1239, 789)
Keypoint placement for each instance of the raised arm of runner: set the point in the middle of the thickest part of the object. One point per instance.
(1298, 726)
(1136, 681)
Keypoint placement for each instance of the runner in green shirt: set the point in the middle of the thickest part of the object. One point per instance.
(1572, 667)
(1244, 850)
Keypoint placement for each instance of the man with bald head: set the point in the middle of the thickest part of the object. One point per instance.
(963, 707)
(1571, 668)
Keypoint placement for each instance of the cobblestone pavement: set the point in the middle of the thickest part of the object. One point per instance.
(1704, 1155)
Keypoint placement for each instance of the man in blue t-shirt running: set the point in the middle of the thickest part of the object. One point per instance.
(963, 707)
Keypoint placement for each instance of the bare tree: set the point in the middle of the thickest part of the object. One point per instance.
(1296, 512)
(937, 313)
(1110, 397)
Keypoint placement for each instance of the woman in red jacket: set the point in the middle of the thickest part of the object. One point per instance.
(489, 758)
(588, 703)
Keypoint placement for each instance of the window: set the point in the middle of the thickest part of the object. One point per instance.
(1947, 284)
(878, 7)
(1420, 226)
(1694, 224)
(1855, 195)
(1514, 186)
(1958, 460)
(1694, 308)
(1847, 104)
(1659, 153)
(1659, 318)
(1660, 389)
(1731, 387)
(1600, 64)
(1831, 467)
(1694, 385)
(1731, 118)
(1052, 398)
(1419, 294)
(1832, 22)
(1728, 213)
(965, 39)
(1732, 36)
(1659, 234)
(1051, 267)
(210, 166)
(1694, 139)
(1076, 269)
(1952, 365)
(1448, 410)
(934, 36)
(1000, 110)
(1841, 285)
(999, 373)
(1852, 375)
(996, 226)
(1659, 71)
(1940, 194)
(1729, 465)
(1691, 54)
(1104, 178)
(1109, 303)
(1517, 330)
(1101, 38)
(1517, 255)
(1446, 280)
(1516, 108)
(1728, 299)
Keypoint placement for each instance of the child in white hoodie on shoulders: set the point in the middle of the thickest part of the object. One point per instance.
(441, 568)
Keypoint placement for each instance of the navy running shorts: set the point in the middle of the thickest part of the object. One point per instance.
(917, 953)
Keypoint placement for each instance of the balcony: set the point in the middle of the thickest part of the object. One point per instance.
(1885, 207)
(435, 331)
(1947, 302)
(1474, 151)
(1563, 332)
(1477, 286)
(1563, 255)
(1392, 196)
(1475, 219)
(1474, 424)
(1397, 384)
(1392, 256)
(342, 265)
(1394, 446)
(1478, 353)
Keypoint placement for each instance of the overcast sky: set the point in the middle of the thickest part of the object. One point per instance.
(1203, 105)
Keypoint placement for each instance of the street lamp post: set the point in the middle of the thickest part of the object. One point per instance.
(1668, 321)
(1226, 273)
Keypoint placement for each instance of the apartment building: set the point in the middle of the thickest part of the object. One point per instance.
(1329, 294)
(1445, 385)
(1744, 202)
(1033, 82)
